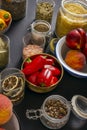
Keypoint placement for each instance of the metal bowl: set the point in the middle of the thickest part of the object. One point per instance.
(39, 89)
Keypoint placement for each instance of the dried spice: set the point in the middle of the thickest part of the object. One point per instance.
(71, 16)
(16, 7)
(44, 11)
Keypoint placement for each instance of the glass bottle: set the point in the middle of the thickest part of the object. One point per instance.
(71, 15)
(16, 7)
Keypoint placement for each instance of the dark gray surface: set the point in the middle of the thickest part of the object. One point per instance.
(68, 87)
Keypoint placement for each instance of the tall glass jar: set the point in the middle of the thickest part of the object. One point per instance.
(44, 10)
(16, 7)
(72, 14)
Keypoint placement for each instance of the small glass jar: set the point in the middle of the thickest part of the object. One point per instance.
(32, 46)
(12, 82)
(55, 111)
(4, 51)
(41, 29)
(16, 7)
(44, 10)
(71, 15)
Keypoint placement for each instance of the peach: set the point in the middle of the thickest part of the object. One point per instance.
(6, 108)
(75, 59)
(2, 129)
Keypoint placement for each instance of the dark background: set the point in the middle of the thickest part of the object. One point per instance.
(68, 87)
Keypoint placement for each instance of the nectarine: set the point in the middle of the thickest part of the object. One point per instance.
(76, 39)
(75, 59)
(84, 50)
(5, 109)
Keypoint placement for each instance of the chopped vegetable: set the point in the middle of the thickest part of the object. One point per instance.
(36, 64)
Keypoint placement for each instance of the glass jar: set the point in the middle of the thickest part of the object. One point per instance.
(4, 51)
(16, 7)
(44, 10)
(13, 84)
(41, 29)
(71, 15)
(55, 111)
(32, 46)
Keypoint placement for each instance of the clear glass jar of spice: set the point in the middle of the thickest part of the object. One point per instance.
(71, 15)
(44, 10)
(16, 7)
(55, 110)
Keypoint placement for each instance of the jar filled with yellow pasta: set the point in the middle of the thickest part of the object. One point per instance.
(72, 14)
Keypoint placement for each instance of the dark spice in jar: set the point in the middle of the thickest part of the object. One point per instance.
(55, 109)
(16, 7)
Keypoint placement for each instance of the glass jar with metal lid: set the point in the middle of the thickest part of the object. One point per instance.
(55, 110)
(72, 14)
(16, 7)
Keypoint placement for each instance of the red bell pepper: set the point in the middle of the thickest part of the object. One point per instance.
(36, 64)
(49, 61)
(53, 80)
(44, 77)
(55, 71)
(33, 78)
(27, 62)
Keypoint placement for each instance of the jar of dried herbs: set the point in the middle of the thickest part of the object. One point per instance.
(16, 7)
(44, 10)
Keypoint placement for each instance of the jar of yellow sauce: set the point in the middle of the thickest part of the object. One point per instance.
(72, 14)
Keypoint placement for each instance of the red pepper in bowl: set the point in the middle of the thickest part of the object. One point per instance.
(44, 77)
(49, 61)
(33, 78)
(36, 64)
(27, 62)
(55, 71)
(53, 80)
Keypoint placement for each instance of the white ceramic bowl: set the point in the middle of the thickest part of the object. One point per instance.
(61, 49)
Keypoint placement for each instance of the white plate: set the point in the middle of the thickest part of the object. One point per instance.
(13, 124)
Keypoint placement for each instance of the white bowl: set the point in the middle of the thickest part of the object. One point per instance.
(61, 49)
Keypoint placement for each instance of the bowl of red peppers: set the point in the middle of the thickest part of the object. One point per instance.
(43, 72)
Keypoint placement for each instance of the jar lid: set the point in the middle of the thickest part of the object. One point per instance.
(79, 106)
